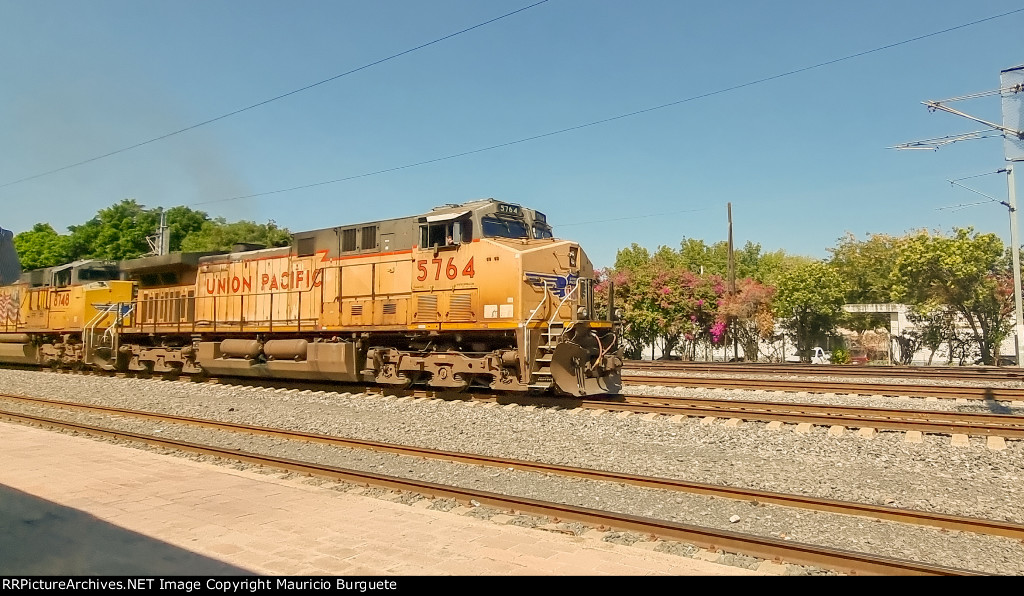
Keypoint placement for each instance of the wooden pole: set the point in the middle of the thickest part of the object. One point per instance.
(732, 285)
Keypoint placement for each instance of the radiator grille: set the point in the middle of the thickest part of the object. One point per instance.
(426, 308)
(461, 308)
(390, 308)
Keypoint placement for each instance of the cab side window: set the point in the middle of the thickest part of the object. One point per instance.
(435, 234)
(464, 230)
(62, 279)
(446, 233)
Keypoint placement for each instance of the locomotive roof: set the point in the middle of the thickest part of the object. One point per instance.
(167, 261)
(220, 257)
(447, 209)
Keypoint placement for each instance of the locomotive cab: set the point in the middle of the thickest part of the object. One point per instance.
(510, 287)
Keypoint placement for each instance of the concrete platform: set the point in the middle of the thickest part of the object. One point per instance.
(76, 506)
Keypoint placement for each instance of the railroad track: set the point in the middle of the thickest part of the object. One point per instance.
(1010, 426)
(967, 524)
(995, 393)
(992, 392)
(981, 373)
(713, 539)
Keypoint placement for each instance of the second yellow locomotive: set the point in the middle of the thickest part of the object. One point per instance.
(473, 295)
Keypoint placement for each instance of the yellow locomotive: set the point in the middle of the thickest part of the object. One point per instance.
(473, 295)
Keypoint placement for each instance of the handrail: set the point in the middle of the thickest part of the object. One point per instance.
(568, 295)
(119, 319)
(100, 315)
(526, 325)
(542, 302)
(89, 329)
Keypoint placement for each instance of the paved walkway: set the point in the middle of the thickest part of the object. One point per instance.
(72, 505)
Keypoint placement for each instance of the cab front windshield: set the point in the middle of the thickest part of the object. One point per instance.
(504, 228)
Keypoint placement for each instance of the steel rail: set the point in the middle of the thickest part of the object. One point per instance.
(910, 516)
(710, 538)
(1010, 426)
(885, 389)
(733, 368)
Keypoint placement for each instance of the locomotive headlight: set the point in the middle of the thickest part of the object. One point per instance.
(581, 312)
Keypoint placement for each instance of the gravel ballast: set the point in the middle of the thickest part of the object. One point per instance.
(885, 470)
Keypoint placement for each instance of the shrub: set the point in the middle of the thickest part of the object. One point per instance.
(841, 356)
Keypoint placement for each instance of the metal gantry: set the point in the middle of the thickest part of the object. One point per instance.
(1011, 90)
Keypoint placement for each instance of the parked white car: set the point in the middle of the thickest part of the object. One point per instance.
(818, 356)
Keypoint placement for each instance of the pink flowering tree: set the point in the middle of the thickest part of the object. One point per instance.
(639, 321)
(750, 310)
(687, 307)
(664, 304)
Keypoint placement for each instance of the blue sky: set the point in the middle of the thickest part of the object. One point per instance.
(802, 158)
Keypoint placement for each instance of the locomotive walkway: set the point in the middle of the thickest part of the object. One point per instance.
(70, 505)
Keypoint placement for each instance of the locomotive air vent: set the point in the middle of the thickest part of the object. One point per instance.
(461, 308)
(426, 308)
(357, 310)
(390, 308)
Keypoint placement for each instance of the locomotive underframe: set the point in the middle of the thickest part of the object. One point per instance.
(507, 360)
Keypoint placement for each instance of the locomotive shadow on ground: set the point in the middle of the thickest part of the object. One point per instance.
(512, 397)
(41, 538)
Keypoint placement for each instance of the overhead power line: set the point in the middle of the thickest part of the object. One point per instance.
(627, 218)
(620, 116)
(272, 99)
(990, 198)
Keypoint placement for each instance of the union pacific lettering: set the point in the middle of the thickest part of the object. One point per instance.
(228, 285)
(300, 279)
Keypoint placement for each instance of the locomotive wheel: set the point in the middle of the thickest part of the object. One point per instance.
(173, 374)
(389, 375)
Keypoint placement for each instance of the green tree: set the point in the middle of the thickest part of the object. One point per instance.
(774, 266)
(809, 302)
(867, 269)
(121, 231)
(758, 266)
(924, 334)
(934, 325)
(867, 266)
(631, 276)
(115, 233)
(697, 256)
(632, 258)
(182, 222)
(969, 274)
(638, 328)
(218, 234)
(42, 246)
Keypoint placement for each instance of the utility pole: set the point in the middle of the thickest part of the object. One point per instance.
(165, 234)
(732, 284)
(1015, 256)
(160, 243)
(1011, 84)
(1011, 92)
